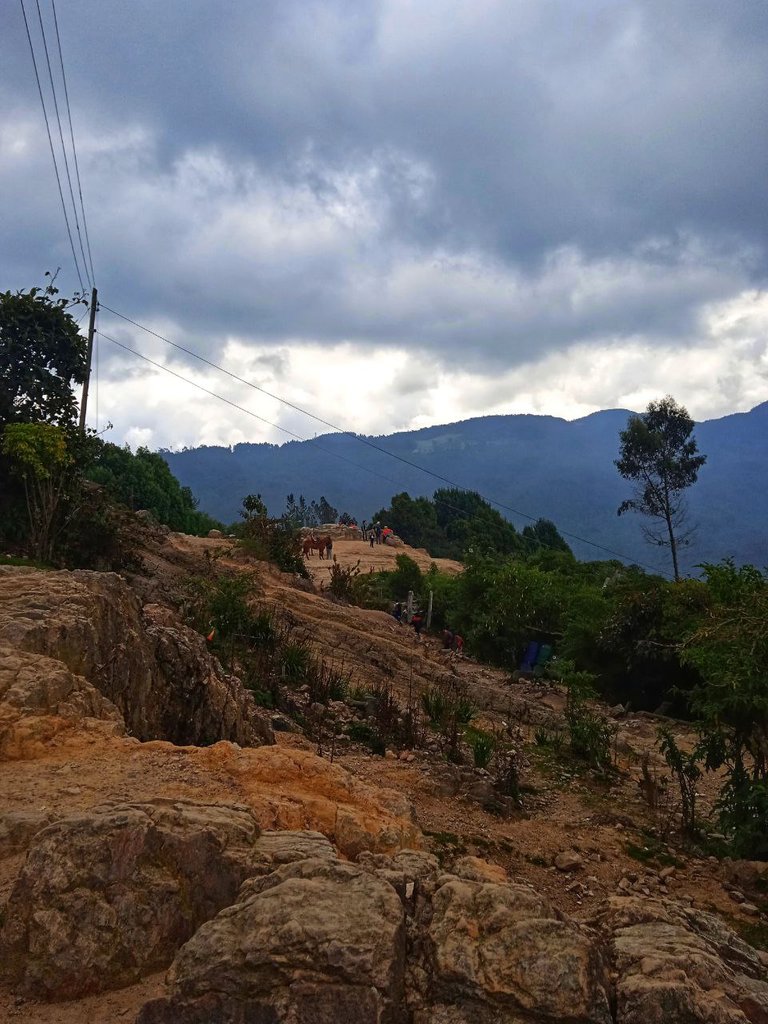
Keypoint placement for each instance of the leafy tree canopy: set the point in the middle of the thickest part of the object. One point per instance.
(455, 523)
(659, 454)
(144, 481)
(41, 356)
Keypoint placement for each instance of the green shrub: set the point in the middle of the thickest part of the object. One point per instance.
(483, 746)
(360, 732)
(296, 662)
(464, 709)
(435, 704)
(342, 581)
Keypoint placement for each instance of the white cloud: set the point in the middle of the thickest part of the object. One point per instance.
(379, 390)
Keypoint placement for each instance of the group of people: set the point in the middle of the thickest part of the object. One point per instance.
(375, 533)
(451, 640)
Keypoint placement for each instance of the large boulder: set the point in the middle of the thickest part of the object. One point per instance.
(500, 954)
(109, 895)
(677, 964)
(155, 670)
(315, 942)
(40, 696)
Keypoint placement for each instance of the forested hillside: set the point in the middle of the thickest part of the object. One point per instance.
(541, 465)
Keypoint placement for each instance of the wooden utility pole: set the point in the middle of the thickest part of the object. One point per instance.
(89, 354)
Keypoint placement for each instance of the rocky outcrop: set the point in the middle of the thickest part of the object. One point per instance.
(40, 697)
(500, 952)
(18, 828)
(321, 941)
(271, 926)
(677, 964)
(156, 671)
(109, 895)
(295, 789)
(316, 940)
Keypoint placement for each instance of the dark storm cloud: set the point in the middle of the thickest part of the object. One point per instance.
(494, 180)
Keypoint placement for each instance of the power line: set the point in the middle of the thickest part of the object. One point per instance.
(291, 433)
(50, 143)
(74, 149)
(366, 441)
(61, 137)
(241, 408)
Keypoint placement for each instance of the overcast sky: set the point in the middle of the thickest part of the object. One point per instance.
(403, 212)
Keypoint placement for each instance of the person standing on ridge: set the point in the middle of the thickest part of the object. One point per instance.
(417, 622)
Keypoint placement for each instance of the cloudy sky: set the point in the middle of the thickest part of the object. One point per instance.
(403, 212)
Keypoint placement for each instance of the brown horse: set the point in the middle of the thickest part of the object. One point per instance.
(313, 543)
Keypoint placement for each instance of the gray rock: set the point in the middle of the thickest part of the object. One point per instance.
(500, 952)
(154, 670)
(316, 942)
(569, 860)
(109, 895)
(677, 964)
(18, 828)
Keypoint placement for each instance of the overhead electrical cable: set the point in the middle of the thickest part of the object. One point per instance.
(371, 444)
(50, 143)
(74, 148)
(285, 430)
(242, 408)
(63, 146)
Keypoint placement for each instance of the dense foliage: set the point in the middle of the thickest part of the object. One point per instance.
(49, 508)
(455, 523)
(41, 355)
(142, 480)
(268, 539)
(301, 512)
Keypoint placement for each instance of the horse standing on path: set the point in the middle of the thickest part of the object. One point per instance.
(319, 544)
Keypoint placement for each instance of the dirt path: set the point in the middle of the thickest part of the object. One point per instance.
(375, 559)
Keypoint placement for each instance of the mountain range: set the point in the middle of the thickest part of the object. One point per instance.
(541, 466)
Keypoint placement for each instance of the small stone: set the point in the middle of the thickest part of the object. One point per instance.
(750, 909)
(666, 873)
(568, 860)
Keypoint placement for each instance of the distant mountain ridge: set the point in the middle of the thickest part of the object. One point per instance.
(540, 465)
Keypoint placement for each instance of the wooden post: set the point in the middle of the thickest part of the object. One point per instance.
(429, 609)
(89, 355)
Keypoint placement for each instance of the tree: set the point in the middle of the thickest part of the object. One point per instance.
(325, 512)
(659, 453)
(39, 454)
(253, 508)
(144, 481)
(41, 356)
(544, 534)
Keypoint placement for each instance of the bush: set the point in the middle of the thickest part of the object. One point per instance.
(435, 704)
(483, 746)
(342, 581)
